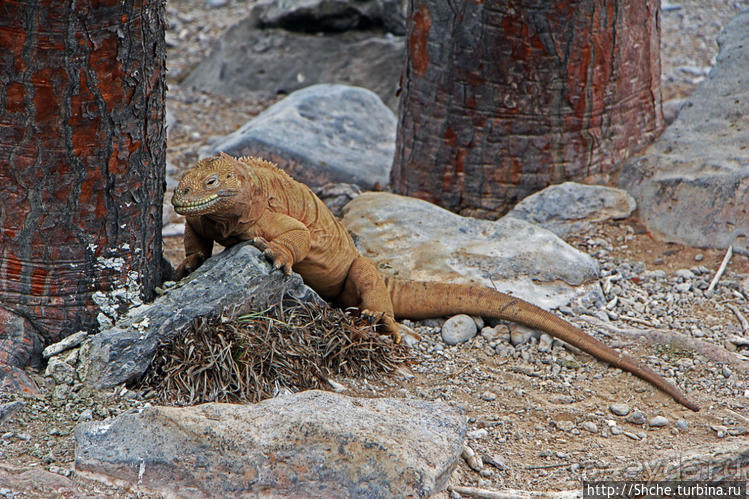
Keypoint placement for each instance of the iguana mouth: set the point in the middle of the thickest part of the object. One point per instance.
(199, 205)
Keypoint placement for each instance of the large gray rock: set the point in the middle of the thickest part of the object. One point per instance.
(248, 58)
(571, 207)
(237, 280)
(322, 134)
(414, 239)
(692, 184)
(310, 444)
(314, 16)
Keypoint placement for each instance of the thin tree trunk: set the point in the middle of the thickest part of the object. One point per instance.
(82, 152)
(502, 98)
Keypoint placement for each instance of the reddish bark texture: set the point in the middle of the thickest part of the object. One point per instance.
(502, 98)
(82, 148)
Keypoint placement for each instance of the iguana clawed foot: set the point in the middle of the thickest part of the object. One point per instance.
(189, 264)
(392, 328)
(275, 253)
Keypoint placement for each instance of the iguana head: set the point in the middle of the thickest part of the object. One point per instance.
(214, 186)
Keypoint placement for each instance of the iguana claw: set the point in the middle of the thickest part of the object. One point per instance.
(391, 327)
(275, 256)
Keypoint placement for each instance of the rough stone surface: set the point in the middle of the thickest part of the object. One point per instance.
(8, 410)
(59, 370)
(20, 346)
(692, 184)
(237, 280)
(571, 207)
(417, 240)
(310, 444)
(270, 61)
(322, 134)
(35, 482)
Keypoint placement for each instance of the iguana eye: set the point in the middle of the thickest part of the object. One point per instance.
(229, 175)
(211, 181)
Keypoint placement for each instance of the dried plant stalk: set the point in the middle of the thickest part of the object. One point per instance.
(295, 346)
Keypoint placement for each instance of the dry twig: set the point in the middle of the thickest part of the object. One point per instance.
(721, 269)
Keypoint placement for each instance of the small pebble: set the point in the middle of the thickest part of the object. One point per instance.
(637, 417)
(616, 430)
(480, 433)
(488, 396)
(496, 461)
(589, 426)
(658, 422)
(720, 431)
(726, 372)
(682, 424)
(471, 459)
(685, 274)
(521, 334)
(699, 257)
(565, 425)
(458, 329)
(545, 343)
(619, 409)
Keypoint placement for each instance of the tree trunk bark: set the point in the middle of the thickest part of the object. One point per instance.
(502, 98)
(82, 152)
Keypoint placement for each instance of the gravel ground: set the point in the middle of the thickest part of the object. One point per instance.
(540, 415)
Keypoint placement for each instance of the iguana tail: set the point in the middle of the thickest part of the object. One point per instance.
(422, 300)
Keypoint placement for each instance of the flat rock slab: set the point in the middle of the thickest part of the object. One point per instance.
(309, 444)
(692, 184)
(571, 207)
(417, 240)
(247, 58)
(35, 482)
(322, 134)
(237, 280)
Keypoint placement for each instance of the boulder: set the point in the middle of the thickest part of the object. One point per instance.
(414, 239)
(322, 134)
(271, 61)
(318, 16)
(237, 280)
(330, 16)
(571, 207)
(310, 444)
(692, 184)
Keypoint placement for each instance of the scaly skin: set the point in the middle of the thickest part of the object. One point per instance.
(230, 200)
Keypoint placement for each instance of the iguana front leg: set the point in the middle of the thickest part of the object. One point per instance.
(197, 250)
(365, 288)
(284, 240)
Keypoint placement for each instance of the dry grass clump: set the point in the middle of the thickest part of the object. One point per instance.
(251, 358)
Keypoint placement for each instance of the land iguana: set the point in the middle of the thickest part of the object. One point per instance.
(229, 200)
